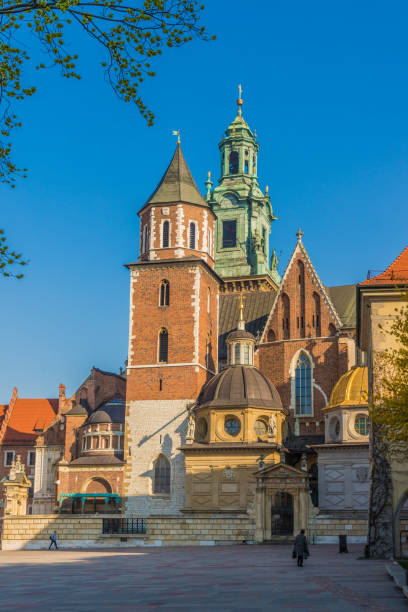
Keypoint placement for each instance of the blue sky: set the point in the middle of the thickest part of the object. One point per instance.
(326, 87)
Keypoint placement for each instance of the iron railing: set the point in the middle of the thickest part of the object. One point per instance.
(123, 525)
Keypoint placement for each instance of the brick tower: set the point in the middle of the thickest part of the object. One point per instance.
(172, 337)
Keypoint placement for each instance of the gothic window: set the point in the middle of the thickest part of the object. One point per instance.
(271, 336)
(164, 293)
(163, 345)
(286, 316)
(303, 383)
(316, 316)
(229, 234)
(192, 237)
(301, 270)
(208, 300)
(162, 475)
(233, 162)
(166, 234)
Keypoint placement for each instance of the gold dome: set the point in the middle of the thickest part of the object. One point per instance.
(351, 389)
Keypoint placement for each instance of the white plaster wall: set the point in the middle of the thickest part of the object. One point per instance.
(155, 427)
(46, 458)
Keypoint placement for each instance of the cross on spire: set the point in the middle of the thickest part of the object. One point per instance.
(299, 235)
(240, 100)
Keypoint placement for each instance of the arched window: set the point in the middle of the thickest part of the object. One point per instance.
(166, 234)
(303, 382)
(237, 353)
(192, 237)
(316, 314)
(301, 280)
(285, 316)
(271, 336)
(208, 300)
(233, 162)
(163, 345)
(161, 475)
(164, 293)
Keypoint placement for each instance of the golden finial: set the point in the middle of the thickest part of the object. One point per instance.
(177, 133)
(241, 306)
(240, 100)
(209, 175)
(255, 134)
(267, 190)
(299, 235)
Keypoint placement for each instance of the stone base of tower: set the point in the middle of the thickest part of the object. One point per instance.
(155, 430)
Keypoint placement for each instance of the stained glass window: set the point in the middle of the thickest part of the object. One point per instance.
(303, 378)
(232, 426)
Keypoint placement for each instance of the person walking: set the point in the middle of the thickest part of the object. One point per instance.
(301, 549)
(53, 538)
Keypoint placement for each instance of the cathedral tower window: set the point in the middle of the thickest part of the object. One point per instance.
(229, 234)
(233, 162)
(316, 315)
(162, 475)
(286, 316)
(164, 299)
(163, 345)
(166, 234)
(192, 237)
(303, 386)
(301, 270)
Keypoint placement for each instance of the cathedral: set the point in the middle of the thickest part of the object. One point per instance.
(237, 379)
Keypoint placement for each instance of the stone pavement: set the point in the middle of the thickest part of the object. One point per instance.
(224, 578)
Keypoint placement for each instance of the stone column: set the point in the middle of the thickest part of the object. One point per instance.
(260, 511)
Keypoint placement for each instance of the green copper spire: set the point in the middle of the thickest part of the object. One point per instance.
(244, 213)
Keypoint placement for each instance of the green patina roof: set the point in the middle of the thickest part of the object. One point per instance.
(177, 184)
(344, 301)
(257, 307)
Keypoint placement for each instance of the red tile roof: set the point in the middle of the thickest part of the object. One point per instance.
(27, 416)
(396, 273)
(3, 408)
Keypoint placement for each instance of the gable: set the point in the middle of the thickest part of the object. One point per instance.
(296, 309)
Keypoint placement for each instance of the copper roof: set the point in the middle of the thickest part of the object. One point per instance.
(240, 386)
(177, 184)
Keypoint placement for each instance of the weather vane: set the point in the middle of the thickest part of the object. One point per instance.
(177, 133)
(240, 100)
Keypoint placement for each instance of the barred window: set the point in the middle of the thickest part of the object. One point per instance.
(303, 377)
(162, 475)
(166, 234)
(163, 345)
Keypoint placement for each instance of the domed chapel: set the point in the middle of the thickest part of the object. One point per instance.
(228, 384)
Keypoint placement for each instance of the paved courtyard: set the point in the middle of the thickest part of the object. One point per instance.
(205, 578)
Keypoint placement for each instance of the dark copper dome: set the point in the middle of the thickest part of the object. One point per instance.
(240, 385)
(110, 412)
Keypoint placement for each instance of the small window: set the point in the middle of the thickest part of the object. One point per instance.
(8, 458)
(162, 475)
(232, 426)
(246, 166)
(163, 345)
(192, 242)
(208, 300)
(264, 240)
(233, 162)
(229, 234)
(164, 293)
(362, 425)
(31, 458)
(237, 353)
(260, 427)
(166, 234)
(246, 354)
(303, 379)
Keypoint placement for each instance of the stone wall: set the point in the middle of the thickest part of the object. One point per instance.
(81, 531)
(326, 528)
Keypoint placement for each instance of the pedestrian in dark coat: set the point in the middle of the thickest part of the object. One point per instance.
(300, 548)
(53, 538)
